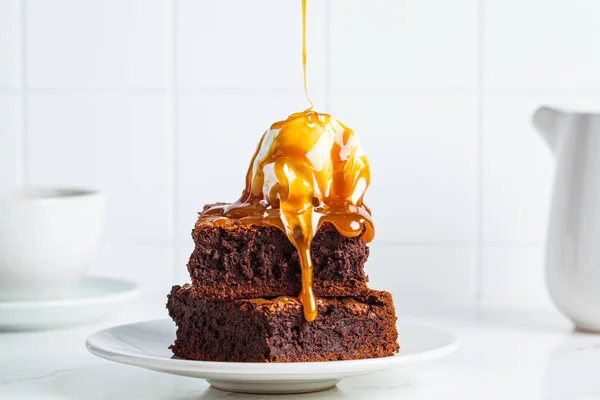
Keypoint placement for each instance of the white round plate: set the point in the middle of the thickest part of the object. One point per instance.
(145, 344)
(95, 297)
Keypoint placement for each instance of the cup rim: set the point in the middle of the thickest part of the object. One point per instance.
(35, 194)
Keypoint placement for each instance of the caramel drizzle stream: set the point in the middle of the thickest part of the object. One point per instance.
(310, 190)
(304, 54)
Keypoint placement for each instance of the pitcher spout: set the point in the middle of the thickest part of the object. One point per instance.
(546, 121)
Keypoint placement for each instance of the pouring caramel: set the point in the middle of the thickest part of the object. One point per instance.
(307, 170)
(304, 53)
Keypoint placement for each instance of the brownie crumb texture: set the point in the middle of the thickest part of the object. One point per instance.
(274, 330)
(253, 261)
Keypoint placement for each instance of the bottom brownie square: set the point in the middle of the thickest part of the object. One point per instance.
(274, 330)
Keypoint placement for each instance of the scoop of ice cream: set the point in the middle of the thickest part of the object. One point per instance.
(309, 160)
(307, 170)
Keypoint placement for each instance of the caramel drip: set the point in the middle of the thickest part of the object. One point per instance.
(321, 176)
(304, 54)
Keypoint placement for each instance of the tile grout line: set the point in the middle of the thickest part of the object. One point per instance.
(22, 142)
(479, 259)
(174, 142)
(243, 90)
(228, 90)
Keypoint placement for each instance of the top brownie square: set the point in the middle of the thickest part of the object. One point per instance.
(251, 261)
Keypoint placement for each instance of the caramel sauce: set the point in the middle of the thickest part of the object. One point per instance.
(307, 170)
(304, 54)
(321, 175)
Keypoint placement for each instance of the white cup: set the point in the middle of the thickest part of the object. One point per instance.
(48, 238)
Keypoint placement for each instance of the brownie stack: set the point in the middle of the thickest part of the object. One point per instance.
(241, 305)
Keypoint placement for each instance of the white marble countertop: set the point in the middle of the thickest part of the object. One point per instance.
(505, 354)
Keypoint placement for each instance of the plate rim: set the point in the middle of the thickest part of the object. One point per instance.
(129, 290)
(296, 369)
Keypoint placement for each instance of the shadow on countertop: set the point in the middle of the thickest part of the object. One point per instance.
(112, 381)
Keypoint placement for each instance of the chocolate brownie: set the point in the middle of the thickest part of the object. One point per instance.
(251, 261)
(274, 330)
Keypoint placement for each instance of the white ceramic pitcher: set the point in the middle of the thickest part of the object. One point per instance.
(573, 242)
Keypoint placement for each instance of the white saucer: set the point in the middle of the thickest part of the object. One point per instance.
(93, 298)
(145, 344)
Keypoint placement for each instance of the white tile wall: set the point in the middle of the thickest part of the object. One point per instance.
(182, 255)
(160, 103)
(10, 121)
(422, 268)
(514, 275)
(10, 44)
(115, 143)
(409, 44)
(217, 44)
(517, 171)
(441, 147)
(542, 44)
(100, 44)
(146, 264)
